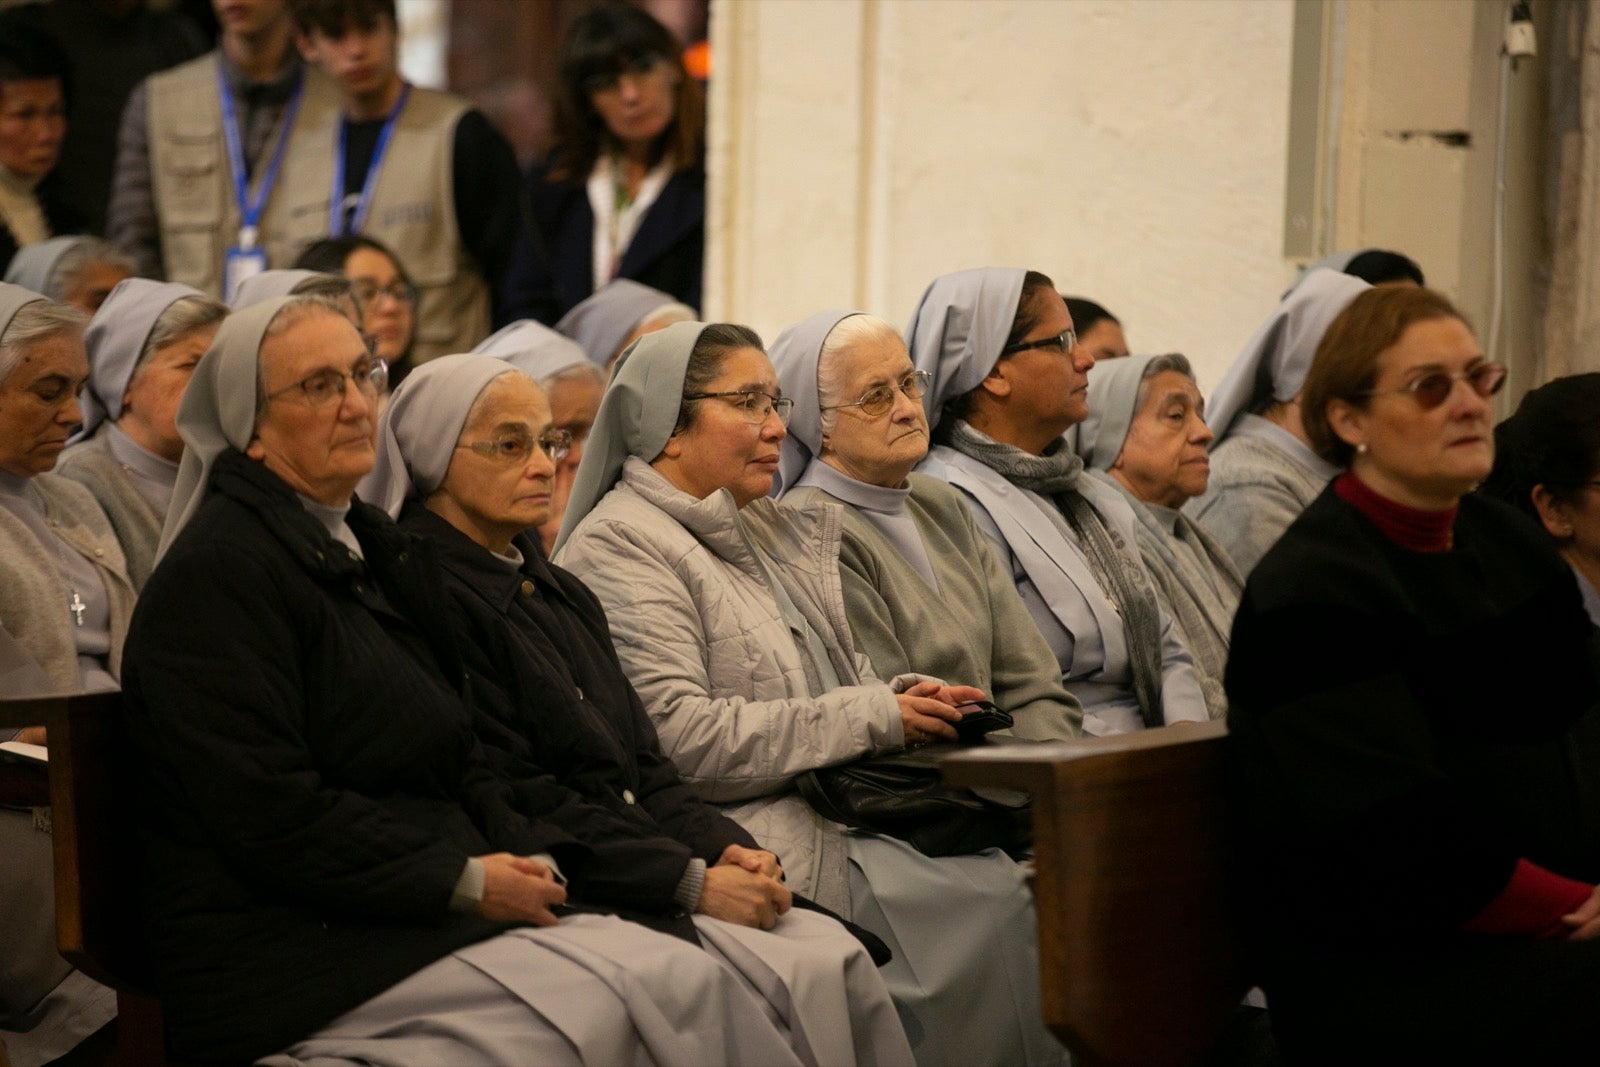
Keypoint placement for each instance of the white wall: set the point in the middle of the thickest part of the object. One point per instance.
(1134, 151)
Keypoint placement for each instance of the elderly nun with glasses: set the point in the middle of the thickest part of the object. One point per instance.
(467, 453)
(1008, 380)
(1414, 728)
(730, 620)
(925, 592)
(333, 872)
(1146, 437)
(1264, 471)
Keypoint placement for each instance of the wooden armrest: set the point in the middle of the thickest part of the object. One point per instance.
(1137, 952)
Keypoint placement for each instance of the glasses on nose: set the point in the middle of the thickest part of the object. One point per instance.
(880, 398)
(1064, 342)
(367, 291)
(611, 80)
(1431, 390)
(515, 448)
(325, 386)
(753, 404)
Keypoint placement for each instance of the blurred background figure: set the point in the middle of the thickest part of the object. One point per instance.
(383, 290)
(33, 123)
(1375, 266)
(80, 271)
(618, 314)
(110, 47)
(1099, 331)
(1547, 464)
(622, 195)
(1263, 471)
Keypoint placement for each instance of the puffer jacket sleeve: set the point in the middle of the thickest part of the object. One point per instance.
(731, 737)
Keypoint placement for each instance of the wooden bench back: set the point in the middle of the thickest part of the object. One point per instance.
(99, 928)
(1139, 960)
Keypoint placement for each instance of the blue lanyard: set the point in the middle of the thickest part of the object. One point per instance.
(250, 208)
(336, 219)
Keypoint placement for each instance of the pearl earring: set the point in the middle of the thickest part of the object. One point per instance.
(1361, 449)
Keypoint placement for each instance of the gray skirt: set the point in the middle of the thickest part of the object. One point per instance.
(965, 973)
(596, 990)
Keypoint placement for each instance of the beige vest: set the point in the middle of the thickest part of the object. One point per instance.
(192, 182)
(412, 211)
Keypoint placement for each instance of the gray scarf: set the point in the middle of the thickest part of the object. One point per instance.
(1123, 579)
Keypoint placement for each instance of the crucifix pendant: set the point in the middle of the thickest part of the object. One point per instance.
(77, 607)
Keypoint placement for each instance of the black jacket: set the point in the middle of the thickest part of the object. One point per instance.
(555, 268)
(560, 722)
(311, 784)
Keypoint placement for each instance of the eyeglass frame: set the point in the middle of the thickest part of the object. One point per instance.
(923, 378)
(782, 405)
(550, 442)
(1066, 339)
(1416, 387)
(377, 375)
(400, 291)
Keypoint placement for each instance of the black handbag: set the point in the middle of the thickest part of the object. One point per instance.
(902, 795)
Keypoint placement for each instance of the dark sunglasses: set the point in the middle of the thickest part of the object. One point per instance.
(1431, 390)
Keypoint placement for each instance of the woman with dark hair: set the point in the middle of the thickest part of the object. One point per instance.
(1413, 729)
(384, 294)
(1008, 380)
(1547, 463)
(1099, 331)
(623, 192)
(33, 123)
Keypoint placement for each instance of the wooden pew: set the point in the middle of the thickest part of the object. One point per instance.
(97, 878)
(1139, 965)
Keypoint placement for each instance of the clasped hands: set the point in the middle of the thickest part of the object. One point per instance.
(928, 711)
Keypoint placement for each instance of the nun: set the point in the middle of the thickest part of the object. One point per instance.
(79, 270)
(1263, 471)
(466, 454)
(143, 344)
(65, 599)
(1146, 437)
(617, 314)
(271, 284)
(572, 385)
(1378, 267)
(923, 588)
(333, 873)
(729, 618)
(1007, 381)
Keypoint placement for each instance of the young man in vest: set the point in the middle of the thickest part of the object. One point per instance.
(194, 195)
(420, 171)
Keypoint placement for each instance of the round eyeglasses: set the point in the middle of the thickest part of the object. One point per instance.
(753, 404)
(369, 377)
(1431, 390)
(880, 398)
(367, 291)
(1064, 342)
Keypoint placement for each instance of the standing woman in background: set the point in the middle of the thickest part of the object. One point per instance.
(623, 192)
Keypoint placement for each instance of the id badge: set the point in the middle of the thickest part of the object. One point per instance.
(239, 264)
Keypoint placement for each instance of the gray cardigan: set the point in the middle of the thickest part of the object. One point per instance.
(32, 592)
(973, 629)
(134, 519)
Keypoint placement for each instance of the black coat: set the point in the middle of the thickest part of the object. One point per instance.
(1403, 727)
(561, 722)
(311, 785)
(555, 268)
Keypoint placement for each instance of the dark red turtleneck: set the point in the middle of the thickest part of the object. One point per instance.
(1408, 527)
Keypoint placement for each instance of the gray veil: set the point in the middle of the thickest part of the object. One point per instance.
(636, 417)
(958, 329)
(794, 356)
